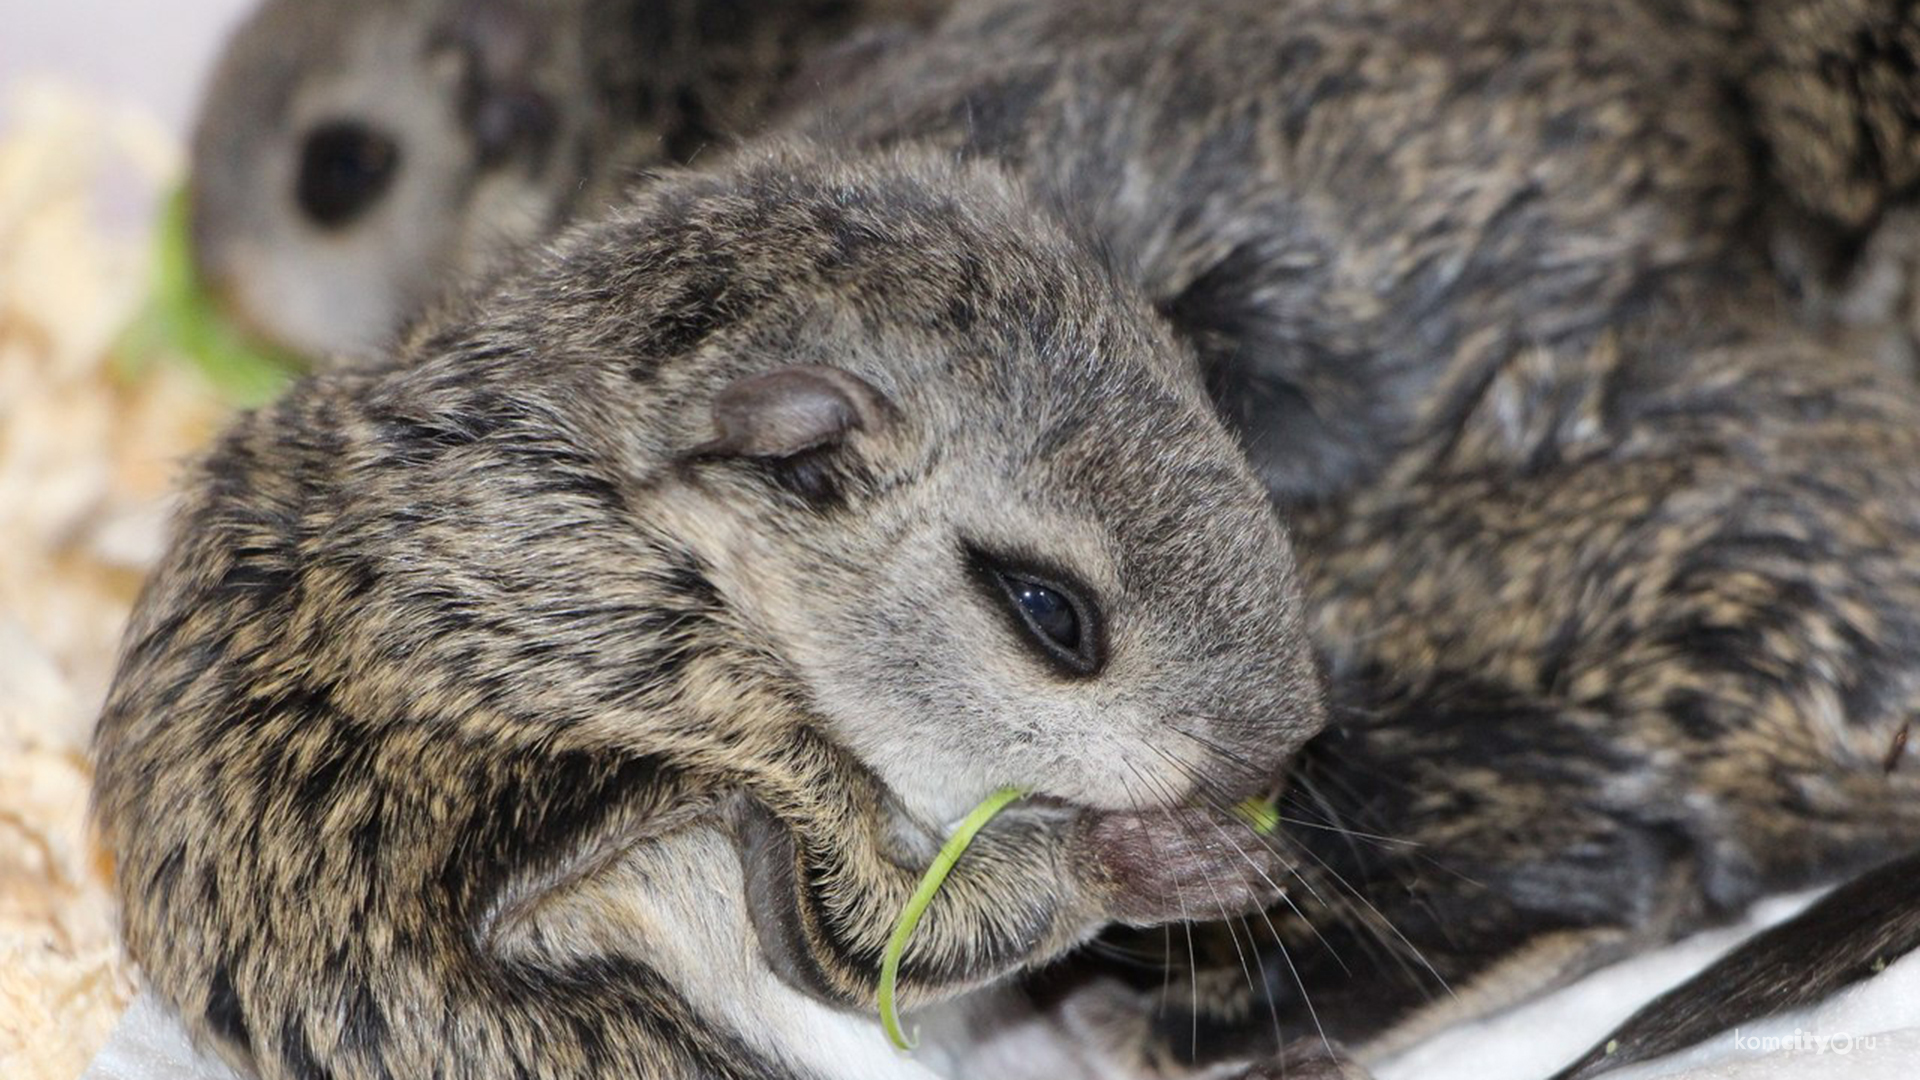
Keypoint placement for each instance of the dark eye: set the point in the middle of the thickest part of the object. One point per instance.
(344, 169)
(1048, 609)
(1049, 612)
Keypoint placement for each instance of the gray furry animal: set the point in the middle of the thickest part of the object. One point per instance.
(354, 159)
(581, 693)
(1614, 562)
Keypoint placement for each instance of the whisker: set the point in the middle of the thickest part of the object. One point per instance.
(1311, 787)
(1226, 919)
(1266, 987)
(1388, 923)
(1288, 900)
(1166, 967)
(1331, 826)
(1186, 923)
(1193, 982)
(1266, 981)
(1201, 788)
(1121, 954)
(1379, 918)
(1285, 954)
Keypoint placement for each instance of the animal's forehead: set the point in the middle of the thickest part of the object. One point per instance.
(1128, 445)
(1067, 356)
(294, 43)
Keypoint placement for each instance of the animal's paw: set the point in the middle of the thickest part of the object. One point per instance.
(1183, 865)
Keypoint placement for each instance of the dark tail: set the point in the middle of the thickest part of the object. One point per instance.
(1851, 934)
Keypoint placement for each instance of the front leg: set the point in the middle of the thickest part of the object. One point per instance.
(827, 893)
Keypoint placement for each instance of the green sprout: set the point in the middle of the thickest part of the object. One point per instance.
(935, 876)
(1261, 814)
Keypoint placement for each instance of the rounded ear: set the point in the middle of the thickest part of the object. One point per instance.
(791, 410)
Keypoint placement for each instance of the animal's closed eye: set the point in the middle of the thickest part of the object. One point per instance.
(1052, 613)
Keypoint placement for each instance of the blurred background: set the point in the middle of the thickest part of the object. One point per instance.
(147, 53)
(95, 100)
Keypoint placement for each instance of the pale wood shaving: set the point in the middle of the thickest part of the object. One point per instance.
(86, 461)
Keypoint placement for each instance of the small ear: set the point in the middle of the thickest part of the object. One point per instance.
(791, 410)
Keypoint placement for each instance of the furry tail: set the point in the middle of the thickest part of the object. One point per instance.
(1847, 936)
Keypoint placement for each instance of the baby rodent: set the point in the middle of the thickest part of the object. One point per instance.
(355, 158)
(1614, 564)
(569, 696)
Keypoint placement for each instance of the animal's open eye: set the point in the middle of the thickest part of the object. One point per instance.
(344, 169)
(1048, 609)
(1050, 613)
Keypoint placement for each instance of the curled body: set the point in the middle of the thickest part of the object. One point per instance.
(581, 693)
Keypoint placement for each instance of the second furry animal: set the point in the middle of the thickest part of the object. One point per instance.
(354, 160)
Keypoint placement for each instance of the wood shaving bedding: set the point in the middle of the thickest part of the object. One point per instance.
(86, 461)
